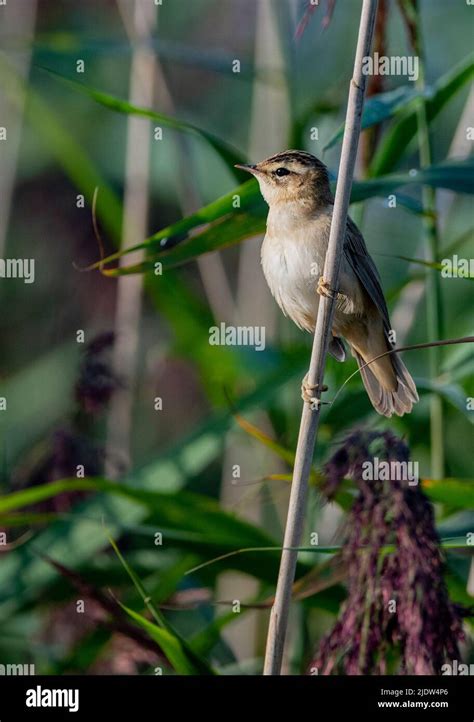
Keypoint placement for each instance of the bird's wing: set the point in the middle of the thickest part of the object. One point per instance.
(365, 269)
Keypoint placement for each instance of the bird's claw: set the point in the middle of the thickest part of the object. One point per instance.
(324, 289)
(307, 393)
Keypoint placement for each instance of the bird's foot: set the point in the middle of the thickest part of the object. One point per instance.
(324, 289)
(307, 393)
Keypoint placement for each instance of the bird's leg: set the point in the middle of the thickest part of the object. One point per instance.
(308, 390)
(342, 302)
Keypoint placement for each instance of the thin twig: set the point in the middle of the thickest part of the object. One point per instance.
(310, 416)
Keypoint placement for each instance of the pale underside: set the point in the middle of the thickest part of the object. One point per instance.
(293, 256)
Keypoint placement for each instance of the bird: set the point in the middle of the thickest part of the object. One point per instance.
(295, 185)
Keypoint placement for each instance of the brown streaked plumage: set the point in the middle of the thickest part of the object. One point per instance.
(295, 185)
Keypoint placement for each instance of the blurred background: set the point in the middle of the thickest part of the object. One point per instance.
(113, 377)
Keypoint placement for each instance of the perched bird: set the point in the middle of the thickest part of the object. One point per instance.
(295, 185)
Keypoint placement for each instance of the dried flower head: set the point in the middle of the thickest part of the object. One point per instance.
(397, 599)
(96, 382)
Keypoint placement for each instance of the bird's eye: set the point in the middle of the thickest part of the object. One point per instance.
(281, 172)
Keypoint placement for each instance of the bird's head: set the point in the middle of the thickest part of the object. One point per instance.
(292, 176)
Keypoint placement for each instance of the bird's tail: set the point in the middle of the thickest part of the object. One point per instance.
(391, 390)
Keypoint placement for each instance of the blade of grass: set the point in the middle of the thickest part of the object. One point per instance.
(168, 642)
(225, 226)
(457, 543)
(458, 493)
(229, 154)
(379, 108)
(155, 613)
(180, 649)
(404, 128)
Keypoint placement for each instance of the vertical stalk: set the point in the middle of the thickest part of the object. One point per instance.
(434, 309)
(310, 417)
(269, 125)
(130, 288)
(211, 268)
(18, 21)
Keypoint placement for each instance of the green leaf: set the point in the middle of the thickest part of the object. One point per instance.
(226, 226)
(29, 519)
(405, 126)
(251, 203)
(196, 663)
(434, 265)
(380, 107)
(458, 493)
(453, 175)
(183, 512)
(191, 521)
(36, 494)
(168, 642)
(138, 585)
(229, 154)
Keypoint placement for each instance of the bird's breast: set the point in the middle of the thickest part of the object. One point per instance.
(292, 260)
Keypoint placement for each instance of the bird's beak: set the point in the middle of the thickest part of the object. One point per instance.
(249, 168)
